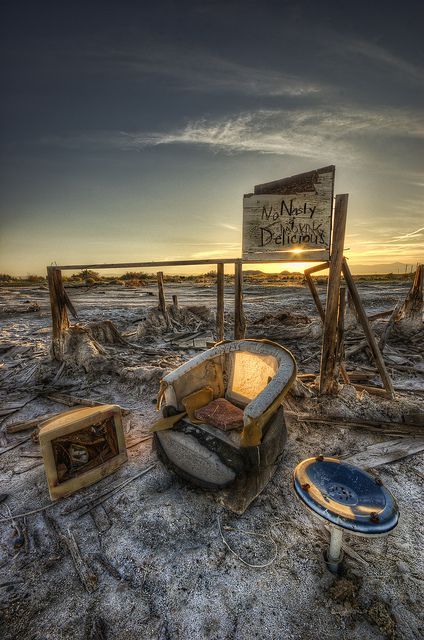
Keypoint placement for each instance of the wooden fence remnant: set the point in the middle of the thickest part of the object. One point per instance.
(162, 303)
(414, 305)
(239, 318)
(219, 302)
(58, 304)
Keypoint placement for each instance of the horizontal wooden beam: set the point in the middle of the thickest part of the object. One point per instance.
(170, 263)
(317, 267)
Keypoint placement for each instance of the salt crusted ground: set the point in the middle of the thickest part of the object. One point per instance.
(154, 549)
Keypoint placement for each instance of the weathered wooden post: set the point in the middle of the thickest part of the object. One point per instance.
(239, 318)
(340, 328)
(312, 288)
(328, 378)
(162, 304)
(413, 306)
(60, 320)
(175, 301)
(219, 301)
(371, 339)
(320, 308)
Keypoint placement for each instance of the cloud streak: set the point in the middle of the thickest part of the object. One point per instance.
(382, 56)
(337, 132)
(203, 72)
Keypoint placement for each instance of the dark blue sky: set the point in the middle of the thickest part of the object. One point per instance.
(130, 132)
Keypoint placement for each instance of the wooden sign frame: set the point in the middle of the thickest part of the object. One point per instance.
(290, 219)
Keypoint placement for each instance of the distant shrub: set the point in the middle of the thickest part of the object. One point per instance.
(134, 283)
(135, 275)
(86, 273)
(90, 281)
(4, 277)
(34, 278)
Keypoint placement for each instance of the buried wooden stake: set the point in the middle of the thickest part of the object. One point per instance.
(162, 304)
(369, 334)
(60, 320)
(239, 318)
(219, 302)
(328, 378)
(414, 304)
(389, 326)
(175, 301)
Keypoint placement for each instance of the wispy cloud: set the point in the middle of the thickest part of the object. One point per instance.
(201, 71)
(335, 132)
(379, 55)
(225, 225)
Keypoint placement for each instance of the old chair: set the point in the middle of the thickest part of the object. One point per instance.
(253, 375)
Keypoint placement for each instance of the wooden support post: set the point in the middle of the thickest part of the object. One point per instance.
(314, 292)
(69, 305)
(175, 301)
(340, 332)
(60, 320)
(351, 306)
(328, 379)
(239, 319)
(372, 342)
(162, 304)
(219, 302)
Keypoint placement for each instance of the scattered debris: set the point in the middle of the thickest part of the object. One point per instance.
(385, 452)
(380, 614)
(132, 544)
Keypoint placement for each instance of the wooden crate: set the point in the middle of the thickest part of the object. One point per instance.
(80, 447)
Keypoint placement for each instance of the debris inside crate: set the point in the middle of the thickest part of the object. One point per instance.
(80, 447)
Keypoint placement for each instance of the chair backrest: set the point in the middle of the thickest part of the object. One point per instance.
(248, 374)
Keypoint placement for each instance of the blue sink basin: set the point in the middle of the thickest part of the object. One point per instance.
(345, 496)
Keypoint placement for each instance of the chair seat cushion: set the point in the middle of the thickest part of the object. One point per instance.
(222, 414)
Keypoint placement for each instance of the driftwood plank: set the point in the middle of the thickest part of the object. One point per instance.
(385, 452)
(71, 401)
(23, 425)
(413, 429)
(85, 574)
(15, 445)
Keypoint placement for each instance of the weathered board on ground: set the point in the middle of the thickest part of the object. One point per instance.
(290, 218)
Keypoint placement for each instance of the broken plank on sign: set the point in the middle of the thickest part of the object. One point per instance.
(385, 452)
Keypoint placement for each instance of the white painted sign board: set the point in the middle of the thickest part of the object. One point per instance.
(290, 219)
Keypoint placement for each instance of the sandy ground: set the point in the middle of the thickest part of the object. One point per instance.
(159, 566)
